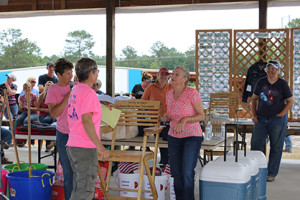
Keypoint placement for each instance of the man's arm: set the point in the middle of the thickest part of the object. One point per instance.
(146, 95)
(55, 109)
(41, 84)
(41, 88)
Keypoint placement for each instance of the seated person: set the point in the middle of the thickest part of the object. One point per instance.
(5, 142)
(96, 86)
(22, 119)
(34, 90)
(11, 93)
(44, 115)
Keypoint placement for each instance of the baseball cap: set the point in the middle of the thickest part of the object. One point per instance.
(163, 70)
(11, 75)
(50, 64)
(274, 63)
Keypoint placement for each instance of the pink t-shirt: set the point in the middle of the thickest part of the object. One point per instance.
(56, 94)
(83, 100)
(183, 107)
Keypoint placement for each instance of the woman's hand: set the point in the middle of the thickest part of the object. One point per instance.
(180, 125)
(165, 117)
(280, 115)
(104, 153)
(108, 104)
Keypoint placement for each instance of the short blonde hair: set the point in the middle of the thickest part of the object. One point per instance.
(31, 78)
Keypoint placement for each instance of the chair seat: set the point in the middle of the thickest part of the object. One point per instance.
(128, 156)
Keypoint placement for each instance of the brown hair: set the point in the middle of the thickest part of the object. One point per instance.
(146, 76)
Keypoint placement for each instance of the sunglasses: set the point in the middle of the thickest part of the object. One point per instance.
(33, 81)
(96, 70)
(149, 81)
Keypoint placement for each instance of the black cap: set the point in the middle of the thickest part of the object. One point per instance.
(50, 64)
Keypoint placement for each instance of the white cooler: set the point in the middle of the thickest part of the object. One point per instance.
(225, 181)
(253, 167)
(263, 170)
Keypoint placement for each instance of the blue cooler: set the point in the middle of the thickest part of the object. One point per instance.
(263, 170)
(225, 181)
(252, 163)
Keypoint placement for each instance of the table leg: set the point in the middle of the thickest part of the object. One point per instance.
(39, 150)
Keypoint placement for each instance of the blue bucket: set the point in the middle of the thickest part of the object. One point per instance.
(23, 187)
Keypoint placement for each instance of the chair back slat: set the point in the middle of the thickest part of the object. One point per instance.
(228, 102)
(139, 112)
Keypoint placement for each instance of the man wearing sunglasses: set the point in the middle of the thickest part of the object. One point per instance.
(43, 79)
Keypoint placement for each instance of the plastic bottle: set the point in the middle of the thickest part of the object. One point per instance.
(208, 131)
(223, 130)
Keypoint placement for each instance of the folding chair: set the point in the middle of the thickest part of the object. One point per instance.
(135, 113)
(223, 107)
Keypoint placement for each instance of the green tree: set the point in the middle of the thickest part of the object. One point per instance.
(129, 57)
(294, 23)
(167, 57)
(78, 44)
(129, 52)
(190, 58)
(17, 52)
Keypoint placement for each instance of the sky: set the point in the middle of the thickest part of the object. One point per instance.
(141, 31)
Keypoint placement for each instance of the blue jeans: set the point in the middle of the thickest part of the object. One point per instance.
(61, 141)
(275, 128)
(288, 143)
(22, 119)
(6, 135)
(183, 155)
(46, 119)
(14, 108)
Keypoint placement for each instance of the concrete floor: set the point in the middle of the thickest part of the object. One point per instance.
(285, 187)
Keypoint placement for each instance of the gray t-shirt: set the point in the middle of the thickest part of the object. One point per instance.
(271, 97)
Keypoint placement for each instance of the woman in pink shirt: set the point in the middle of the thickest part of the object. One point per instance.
(57, 100)
(84, 117)
(184, 111)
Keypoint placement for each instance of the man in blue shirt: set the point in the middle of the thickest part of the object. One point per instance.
(47, 77)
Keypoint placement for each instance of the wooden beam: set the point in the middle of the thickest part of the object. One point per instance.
(63, 4)
(263, 8)
(110, 48)
(34, 4)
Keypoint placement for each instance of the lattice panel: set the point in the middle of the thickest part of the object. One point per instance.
(213, 58)
(251, 46)
(295, 69)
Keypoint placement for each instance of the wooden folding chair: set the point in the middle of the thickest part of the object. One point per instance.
(223, 107)
(135, 113)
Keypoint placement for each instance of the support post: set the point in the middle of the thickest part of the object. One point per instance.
(110, 48)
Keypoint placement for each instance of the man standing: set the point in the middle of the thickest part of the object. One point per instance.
(47, 77)
(158, 92)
